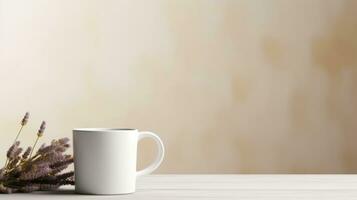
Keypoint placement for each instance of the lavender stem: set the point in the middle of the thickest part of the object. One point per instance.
(33, 147)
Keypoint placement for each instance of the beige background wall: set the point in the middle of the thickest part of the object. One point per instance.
(232, 86)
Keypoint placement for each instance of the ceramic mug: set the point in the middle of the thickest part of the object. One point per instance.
(105, 159)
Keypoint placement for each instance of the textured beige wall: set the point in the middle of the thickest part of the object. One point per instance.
(230, 85)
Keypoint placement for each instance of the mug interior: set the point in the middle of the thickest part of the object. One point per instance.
(104, 129)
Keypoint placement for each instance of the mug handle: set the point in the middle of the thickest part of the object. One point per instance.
(160, 153)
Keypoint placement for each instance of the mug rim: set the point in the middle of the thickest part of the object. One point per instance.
(105, 129)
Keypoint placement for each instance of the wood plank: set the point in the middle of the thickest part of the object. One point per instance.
(224, 187)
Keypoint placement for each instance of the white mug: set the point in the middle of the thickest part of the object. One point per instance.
(105, 159)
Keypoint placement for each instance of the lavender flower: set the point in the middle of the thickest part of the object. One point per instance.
(23, 123)
(42, 129)
(42, 146)
(57, 170)
(12, 163)
(26, 154)
(65, 175)
(52, 157)
(35, 172)
(39, 134)
(25, 119)
(17, 152)
(62, 163)
(11, 152)
(46, 149)
(63, 141)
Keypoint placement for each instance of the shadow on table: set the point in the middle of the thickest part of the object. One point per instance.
(59, 192)
(56, 192)
(71, 192)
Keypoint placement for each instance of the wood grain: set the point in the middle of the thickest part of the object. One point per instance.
(224, 187)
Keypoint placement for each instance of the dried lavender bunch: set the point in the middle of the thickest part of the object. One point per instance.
(42, 171)
(39, 172)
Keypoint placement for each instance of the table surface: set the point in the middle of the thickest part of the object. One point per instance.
(223, 187)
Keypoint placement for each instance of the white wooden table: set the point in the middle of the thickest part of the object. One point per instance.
(224, 187)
